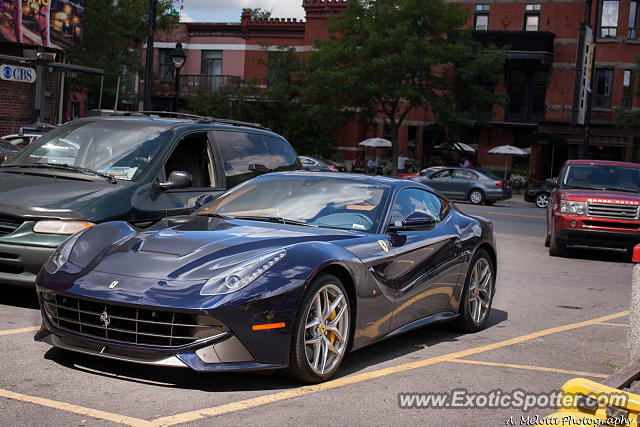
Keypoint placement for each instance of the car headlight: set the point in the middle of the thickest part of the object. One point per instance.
(61, 255)
(242, 274)
(60, 227)
(573, 207)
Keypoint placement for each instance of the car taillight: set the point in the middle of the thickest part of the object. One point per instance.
(500, 184)
(333, 168)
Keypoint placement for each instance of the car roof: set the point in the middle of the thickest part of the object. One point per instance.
(602, 162)
(194, 122)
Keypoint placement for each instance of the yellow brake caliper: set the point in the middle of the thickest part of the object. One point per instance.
(330, 335)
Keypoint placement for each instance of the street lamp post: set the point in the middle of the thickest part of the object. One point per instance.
(178, 56)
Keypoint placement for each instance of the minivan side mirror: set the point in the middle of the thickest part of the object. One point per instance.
(177, 179)
(551, 182)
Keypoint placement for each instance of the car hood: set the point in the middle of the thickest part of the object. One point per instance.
(39, 196)
(601, 196)
(199, 245)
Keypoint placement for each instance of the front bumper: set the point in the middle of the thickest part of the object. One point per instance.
(596, 232)
(236, 348)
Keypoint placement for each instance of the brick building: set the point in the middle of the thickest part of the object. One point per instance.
(539, 75)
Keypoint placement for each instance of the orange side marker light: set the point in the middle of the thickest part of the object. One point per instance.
(266, 326)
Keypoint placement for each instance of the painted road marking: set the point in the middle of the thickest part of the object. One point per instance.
(622, 325)
(530, 368)
(521, 215)
(20, 330)
(67, 407)
(365, 376)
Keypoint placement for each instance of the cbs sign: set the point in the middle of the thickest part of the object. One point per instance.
(17, 74)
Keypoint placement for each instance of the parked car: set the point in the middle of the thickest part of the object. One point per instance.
(137, 169)
(7, 150)
(538, 195)
(288, 271)
(423, 172)
(595, 203)
(319, 165)
(27, 134)
(467, 184)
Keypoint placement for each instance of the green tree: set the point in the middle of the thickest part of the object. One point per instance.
(311, 128)
(111, 30)
(257, 13)
(390, 57)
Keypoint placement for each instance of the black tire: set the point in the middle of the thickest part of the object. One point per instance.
(542, 200)
(476, 196)
(300, 368)
(555, 248)
(547, 238)
(467, 322)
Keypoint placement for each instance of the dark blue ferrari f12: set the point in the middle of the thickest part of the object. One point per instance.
(288, 270)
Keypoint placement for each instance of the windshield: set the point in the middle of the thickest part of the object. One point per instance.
(122, 149)
(315, 201)
(602, 177)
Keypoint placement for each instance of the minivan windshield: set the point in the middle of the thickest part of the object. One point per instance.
(122, 149)
(313, 201)
(602, 177)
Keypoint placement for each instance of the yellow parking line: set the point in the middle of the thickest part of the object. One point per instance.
(365, 376)
(67, 407)
(20, 330)
(521, 215)
(622, 325)
(530, 368)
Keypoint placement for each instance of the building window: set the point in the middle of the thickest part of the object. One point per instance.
(609, 18)
(481, 18)
(604, 82)
(633, 20)
(211, 62)
(627, 90)
(531, 17)
(165, 65)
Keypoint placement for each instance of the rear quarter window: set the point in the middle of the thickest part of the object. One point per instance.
(282, 155)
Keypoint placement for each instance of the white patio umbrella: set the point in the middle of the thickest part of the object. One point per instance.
(459, 145)
(507, 150)
(375, 142)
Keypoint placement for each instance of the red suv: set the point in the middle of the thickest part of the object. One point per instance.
(595, 204)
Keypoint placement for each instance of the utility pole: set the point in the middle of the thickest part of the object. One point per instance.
(587, 113)
(148, 69)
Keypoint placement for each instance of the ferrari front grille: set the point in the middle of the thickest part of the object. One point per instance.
(128, 324)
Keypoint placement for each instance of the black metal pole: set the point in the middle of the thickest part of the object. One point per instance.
(177, 83)
(587, 113)
(148, 71)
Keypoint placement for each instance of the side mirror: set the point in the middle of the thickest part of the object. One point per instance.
(415, 221)
(177, 179)
(551, 182)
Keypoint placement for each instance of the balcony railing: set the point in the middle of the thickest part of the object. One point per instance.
(190, 83)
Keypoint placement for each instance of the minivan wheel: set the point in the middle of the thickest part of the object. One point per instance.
(476, 196)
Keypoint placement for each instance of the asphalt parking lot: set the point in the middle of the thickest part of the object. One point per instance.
(553, 319)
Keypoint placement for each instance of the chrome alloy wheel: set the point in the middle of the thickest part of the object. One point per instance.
(542, 200)
(476, 197)
(480, 290)
(327, 329)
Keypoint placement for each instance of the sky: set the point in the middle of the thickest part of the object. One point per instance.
(231, 10)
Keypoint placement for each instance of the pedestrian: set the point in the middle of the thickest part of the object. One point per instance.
(372, 165)
(402, 160)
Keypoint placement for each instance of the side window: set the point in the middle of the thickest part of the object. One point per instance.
(282, 155)
(306, 161)
(445, 173)
(412, 200)
(192, 154)
(465, 174)
(244, 155)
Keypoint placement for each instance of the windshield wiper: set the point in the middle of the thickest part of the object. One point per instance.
(277, 219)
(216, 215)
(112, 179)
